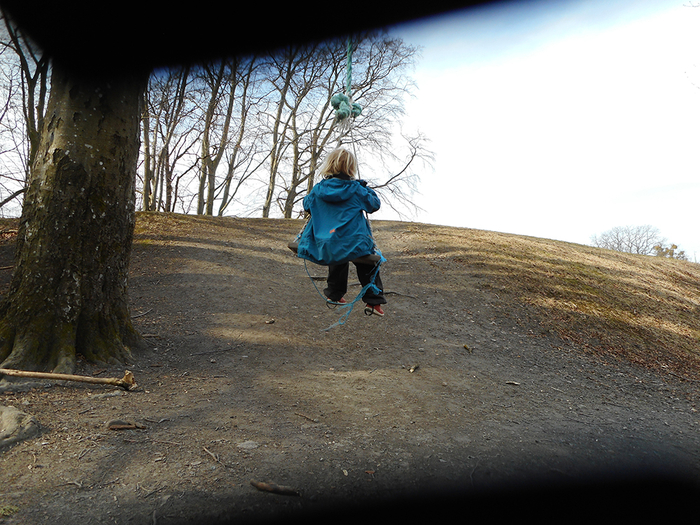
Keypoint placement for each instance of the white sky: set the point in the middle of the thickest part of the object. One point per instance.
(562, 119)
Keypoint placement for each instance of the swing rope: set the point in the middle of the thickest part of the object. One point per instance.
(346, 306)
(342, 102)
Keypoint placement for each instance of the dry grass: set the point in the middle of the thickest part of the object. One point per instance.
(640, 308)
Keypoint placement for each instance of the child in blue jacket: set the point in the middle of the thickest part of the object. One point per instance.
(338, 231)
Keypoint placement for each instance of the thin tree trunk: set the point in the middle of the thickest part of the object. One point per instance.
(242, 128)
(147, 167)
(222, 80)
(279, 138)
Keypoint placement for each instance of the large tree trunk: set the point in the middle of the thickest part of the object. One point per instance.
(69, 289)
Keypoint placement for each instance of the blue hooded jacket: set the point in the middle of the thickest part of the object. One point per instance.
(338, 232)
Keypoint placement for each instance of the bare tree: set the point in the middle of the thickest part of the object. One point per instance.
(283, 66)
(168, 137)
(380, 85)
(401, 184)
(245, 154)
(630, 239)
(312, 123)
(219, 81)
(26, 72)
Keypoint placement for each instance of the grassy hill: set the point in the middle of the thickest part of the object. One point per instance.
(640, 308)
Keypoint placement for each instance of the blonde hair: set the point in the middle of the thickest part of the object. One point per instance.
(339, 161)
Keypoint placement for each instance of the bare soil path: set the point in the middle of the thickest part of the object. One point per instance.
(456, 388)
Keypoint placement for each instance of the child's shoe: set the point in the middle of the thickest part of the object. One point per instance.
(332, 304)
(374, 309)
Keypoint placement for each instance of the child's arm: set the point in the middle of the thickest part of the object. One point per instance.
(370, 200)
(306, 202)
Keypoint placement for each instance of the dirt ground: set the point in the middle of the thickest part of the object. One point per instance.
(455, 396)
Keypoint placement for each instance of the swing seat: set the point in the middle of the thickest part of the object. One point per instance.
(372, 258)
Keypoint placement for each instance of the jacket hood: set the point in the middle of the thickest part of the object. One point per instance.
(335, 190)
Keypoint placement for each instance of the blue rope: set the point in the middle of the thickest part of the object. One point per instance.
(370, 286)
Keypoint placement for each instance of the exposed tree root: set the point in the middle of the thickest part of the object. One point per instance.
(52, 346)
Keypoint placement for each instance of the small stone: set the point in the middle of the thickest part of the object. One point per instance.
(248, 445)
(16, 426)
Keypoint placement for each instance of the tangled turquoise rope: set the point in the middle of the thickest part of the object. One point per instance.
(342, 103)
(349, 306)
(344, 108)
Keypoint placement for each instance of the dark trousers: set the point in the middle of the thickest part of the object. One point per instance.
(338, 282)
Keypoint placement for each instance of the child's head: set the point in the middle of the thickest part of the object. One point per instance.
(339, 161)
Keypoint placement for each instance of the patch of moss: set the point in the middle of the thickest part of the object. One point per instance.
(8, 510)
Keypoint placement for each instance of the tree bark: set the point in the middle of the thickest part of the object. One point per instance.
(69, 290)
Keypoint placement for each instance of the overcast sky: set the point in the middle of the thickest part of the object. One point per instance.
(562, 119)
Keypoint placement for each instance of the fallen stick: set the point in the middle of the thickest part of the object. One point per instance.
(274, 489)
(127, 382)
(141, 315)
(215, 457)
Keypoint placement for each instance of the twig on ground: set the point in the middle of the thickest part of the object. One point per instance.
(141, 315)
(211, 351)
(127, 382)
(306, 417)
(215, 457)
